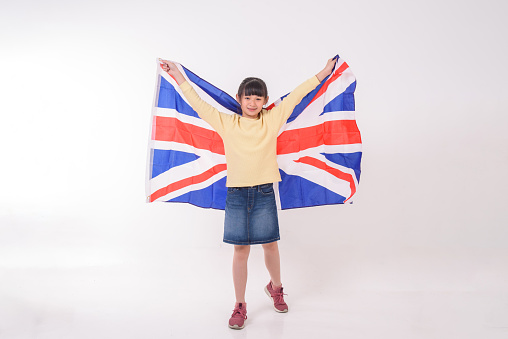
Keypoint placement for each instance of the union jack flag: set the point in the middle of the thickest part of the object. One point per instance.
(318, 150)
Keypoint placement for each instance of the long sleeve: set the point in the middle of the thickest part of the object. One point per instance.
(282, 112)
(207, 112)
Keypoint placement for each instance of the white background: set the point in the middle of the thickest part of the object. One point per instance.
(422, 253)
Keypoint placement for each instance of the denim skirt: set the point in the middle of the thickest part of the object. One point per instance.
(251, 215)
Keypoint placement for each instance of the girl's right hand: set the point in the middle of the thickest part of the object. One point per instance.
(172, 70)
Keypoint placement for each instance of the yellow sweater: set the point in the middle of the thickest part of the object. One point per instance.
(250, 144)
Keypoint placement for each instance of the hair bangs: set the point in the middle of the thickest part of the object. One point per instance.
(253, 86)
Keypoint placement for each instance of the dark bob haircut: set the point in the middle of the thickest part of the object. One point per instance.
(252, 86)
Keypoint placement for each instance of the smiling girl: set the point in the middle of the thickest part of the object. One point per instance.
(250, 143)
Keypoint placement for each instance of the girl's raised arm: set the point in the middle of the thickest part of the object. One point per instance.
(282, 112)
(172, 70)
(205, 111)
(327, 70)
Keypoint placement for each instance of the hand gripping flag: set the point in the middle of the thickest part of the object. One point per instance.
(318, 150)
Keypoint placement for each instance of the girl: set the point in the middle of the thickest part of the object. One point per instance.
(250, 143)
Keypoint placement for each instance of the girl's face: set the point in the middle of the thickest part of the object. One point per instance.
(251, 105)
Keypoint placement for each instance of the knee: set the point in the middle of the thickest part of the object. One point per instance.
(242, 251)
(270, 247)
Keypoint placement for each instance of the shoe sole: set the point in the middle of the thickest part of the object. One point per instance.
(273, 301)
(236, 327)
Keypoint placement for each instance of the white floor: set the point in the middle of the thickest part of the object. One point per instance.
(422, 295)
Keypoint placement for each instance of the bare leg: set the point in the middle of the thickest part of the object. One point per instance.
(240, 257)
(272, 262)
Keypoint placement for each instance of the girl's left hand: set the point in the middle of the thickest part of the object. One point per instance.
(330, 64)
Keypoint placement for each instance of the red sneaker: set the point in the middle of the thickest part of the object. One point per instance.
(237, 320)
(277, 297)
